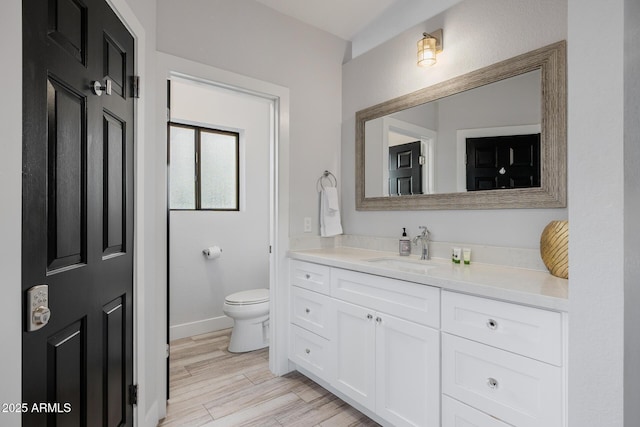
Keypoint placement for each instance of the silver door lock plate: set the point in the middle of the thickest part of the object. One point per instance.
(38, 312)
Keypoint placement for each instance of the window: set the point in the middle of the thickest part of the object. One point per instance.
(203, 168)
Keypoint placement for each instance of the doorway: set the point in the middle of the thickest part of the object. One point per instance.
(223, 137)
(231, 134)
(169, 67)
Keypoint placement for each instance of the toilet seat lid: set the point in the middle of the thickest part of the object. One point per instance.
(253, 296)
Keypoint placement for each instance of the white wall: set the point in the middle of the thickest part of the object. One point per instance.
(476, 34)
(198, 285)
(600, 175)
(10, 213)
(631, 212)
(248, 38)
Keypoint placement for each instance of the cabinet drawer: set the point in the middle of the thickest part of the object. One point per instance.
(310, 276)
(311, 352)
(410, 301)
(529, 331)
(518, 390)
(312, 311)
(456, 414)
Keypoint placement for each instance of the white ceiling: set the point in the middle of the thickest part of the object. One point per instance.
(366, 23)
(343, 18)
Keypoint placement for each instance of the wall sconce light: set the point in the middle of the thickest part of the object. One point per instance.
(428, 46)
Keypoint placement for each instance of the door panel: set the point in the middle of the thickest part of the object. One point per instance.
(66, 176)
(511, 161)
(114, 320)
(66, 381)
(114, 180)
(78, 213)
(68, 27)
(114, 64)
(405, 171)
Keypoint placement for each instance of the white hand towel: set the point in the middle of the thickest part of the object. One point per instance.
(331, 194)
(329, 219)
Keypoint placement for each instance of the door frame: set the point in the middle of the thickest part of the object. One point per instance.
(135, 27)
(168, 66)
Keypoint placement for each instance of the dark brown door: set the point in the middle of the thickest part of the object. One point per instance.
(77, 230)
(405, 172)
(503, 162)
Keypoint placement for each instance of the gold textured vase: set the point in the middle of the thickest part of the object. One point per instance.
(554, 248)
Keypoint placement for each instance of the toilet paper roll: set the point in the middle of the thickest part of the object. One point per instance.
(213, 252)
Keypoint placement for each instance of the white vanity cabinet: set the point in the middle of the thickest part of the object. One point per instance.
(312, 318)
(387, 348)
(412, 354)
(503, 359)
(373, 339)
(387, 364)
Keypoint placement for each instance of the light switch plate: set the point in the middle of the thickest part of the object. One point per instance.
(307, 224)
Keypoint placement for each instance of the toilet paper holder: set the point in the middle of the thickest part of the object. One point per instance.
(212, 252)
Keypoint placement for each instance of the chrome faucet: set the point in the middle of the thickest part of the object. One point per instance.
(424, 240)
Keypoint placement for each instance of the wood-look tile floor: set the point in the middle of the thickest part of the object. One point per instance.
(211, 387)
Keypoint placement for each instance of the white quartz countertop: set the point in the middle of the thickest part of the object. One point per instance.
(530, 287)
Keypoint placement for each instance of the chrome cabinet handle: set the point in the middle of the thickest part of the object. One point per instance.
(492, 383)
(492, 324)
(369, 316)
(306, 350)
(378, 320)
(307, 276)
(306, 310)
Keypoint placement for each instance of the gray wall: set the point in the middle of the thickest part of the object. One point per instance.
(248, 38)
(631, 212)
(10, 214)
(604, 159)
(476, 34)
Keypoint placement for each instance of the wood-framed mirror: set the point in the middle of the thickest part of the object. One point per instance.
(467, 121)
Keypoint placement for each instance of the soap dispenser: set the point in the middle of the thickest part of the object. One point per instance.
(404, 246)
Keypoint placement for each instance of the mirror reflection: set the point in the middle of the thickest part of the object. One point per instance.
(486, 138)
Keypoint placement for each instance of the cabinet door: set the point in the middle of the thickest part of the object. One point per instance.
(407, 372)
(354, 353)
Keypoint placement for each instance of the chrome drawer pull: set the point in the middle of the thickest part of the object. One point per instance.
(369, 316)
(306, 310)
(378, 320)
(492, 324)
(492, 383)
(306, 350)
(307, 276)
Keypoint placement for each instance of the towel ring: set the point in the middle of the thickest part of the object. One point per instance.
(326, 176)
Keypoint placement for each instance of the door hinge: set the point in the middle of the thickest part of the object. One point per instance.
(133, 394)
(270, 248)
(135, 86)
(421, 160)
(168, 350)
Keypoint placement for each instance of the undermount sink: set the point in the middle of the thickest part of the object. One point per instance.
(411, 266)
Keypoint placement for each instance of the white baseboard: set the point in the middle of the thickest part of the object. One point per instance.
(199, 327)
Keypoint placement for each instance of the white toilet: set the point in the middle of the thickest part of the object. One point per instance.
(250, 312)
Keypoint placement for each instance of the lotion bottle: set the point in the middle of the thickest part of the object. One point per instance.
(404, 246)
